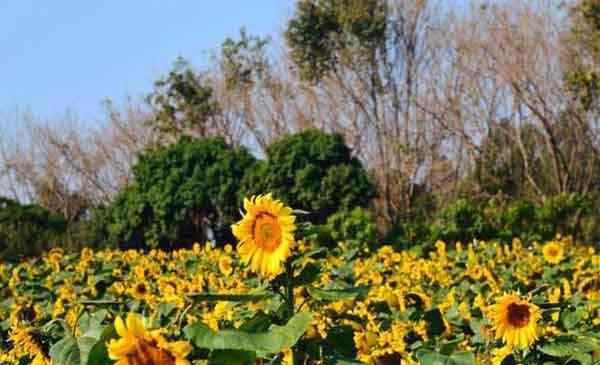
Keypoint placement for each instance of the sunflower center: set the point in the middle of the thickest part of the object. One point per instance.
(267, 232)
(518, 314)
(148, 353)
(141, 288)
(552, 251)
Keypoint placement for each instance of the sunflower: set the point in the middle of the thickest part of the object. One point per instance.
(553, 252)
(514, 320)
(225, 265)
(500, 354)
(27, 342)
(140, 346)
(139, 290)
(266, 234)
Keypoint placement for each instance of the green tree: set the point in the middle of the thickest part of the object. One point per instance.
(28, 229)
(313, 171)
(183, 103)
(322, 30)
(583, 79)
(180, 193)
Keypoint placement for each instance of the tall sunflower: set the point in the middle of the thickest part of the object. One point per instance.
(514, 320)
(140, 346)
(266, 233)
(26, 342)
(553, 252)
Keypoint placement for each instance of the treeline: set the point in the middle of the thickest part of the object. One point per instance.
(415, 120)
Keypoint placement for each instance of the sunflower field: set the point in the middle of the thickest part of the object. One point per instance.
(278, 297)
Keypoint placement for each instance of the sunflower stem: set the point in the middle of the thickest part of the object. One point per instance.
(289, 288)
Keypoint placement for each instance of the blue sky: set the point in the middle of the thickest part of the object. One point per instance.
(59, 55)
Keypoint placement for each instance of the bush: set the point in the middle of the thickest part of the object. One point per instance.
(356, 227)
(28, 230)
(312, 171)
(499, 219)
(461, 221)
(182, 193)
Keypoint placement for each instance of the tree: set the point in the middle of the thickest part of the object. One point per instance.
(313, 171)
(182, 193)
(28, 230)
(322, 30)
(584, 54)
(183, 103)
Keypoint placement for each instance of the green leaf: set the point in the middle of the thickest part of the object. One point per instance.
(341, 339)
(338, 294)
(435, 322)
(65, 352)
(427, 357)
(570, 318)
(259, 323)
(272, 341)
(583, 359)
(345, 362)
(462, 358)
(98, 353)
(309, 274)
(85, 345)
(91, 324)
(231, 357)
(212, 297)
(565, 347)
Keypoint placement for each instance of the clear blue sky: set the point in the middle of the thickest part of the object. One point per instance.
(58, 55)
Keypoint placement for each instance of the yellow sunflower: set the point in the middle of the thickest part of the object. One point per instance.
(26, 343)
(140, 346)
(514, 320)
(266, 234)
(499, 354)
(139, 290)
(553, 252)
(225, 265)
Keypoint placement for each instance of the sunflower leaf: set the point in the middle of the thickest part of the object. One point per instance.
(566, 347)
(65, 352)
(272, 341)
(212, 297)
(338, 294)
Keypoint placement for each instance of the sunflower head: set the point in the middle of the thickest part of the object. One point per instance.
(140, 290)
(553, 252)
(514, 320)
(137, 345)
(265, 234)
(225, 265)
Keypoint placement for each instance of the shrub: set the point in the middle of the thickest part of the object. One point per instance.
(463, 221)
(312, 171)
(28, 229)
(356, 227)
(182, 193)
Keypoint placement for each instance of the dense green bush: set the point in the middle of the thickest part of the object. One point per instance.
(312, 171)
(182, 193)
(356, 227)
(499, 219)
(28, 229)
(461, 221)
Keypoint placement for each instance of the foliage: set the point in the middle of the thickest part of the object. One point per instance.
(501, 219)
(583, 79)
(243, 60)
(312, 171)
(181, 193)
(28, 229)
(183, 103)
(321, 29)
(370, 309)
(356, 227)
